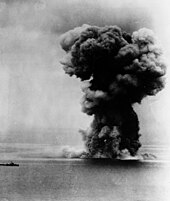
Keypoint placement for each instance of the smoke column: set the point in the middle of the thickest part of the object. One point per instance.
(119, 69)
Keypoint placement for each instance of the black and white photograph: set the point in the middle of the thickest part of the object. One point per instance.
(84, 100)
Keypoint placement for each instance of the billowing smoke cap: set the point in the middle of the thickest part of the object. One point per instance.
(108, 56)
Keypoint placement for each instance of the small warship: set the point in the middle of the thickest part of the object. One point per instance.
(9, 164)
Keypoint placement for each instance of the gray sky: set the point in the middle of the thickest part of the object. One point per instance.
(38, 102)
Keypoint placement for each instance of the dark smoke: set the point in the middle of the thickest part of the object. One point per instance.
(120, 69)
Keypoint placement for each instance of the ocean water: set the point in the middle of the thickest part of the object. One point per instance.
(49, 178)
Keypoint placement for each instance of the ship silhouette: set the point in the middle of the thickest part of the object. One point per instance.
(9, 164)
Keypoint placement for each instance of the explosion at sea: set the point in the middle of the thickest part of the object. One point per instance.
(118, 69)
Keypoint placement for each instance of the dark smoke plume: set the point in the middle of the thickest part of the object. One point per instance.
(120, 69)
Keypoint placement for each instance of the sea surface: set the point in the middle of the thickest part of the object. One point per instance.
(44, 176)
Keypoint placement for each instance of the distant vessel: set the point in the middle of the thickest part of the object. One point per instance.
(9, 164)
